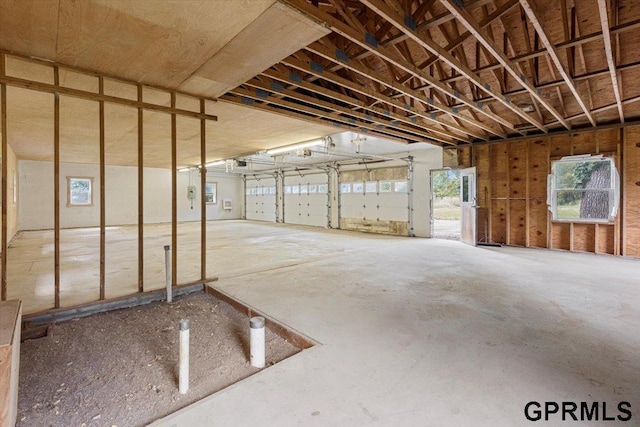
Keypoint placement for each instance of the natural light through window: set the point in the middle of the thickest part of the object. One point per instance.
(583, 188)
(79, 191)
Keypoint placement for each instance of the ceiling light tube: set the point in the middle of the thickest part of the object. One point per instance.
(216, 163)
(184, 170)
(294, 147)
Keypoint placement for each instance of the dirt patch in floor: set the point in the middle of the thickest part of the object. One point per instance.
(120, 368)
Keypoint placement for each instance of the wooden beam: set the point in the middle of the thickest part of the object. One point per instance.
(553, 54)
(376, 122)
(140, 193)
(56, 191)
(331, 117)
(102, 197)
(427, 43)
(3, 130)
(359, 68)
(174, 195)
(633, 25)
(203, 191)
(467, 20)
(77, 93)
(608, 48)
(368, 42)
(350, 100)
(234, 99)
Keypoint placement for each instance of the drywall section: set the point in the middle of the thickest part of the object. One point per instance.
(36, 201)
(512, 191)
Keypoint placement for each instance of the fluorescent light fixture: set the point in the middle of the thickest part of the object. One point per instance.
(216, 163)
(294, 147)
(184, 170)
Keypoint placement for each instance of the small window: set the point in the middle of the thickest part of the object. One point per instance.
(466, 188)
(345, 187)
(272, 190)
(247, 191)
(253, 191)
(80, 191)
(211, 192)
(371, 187)
(287, 189)
(358, 187)
(400, 186)
(322, 189)
(304, 189)
(295, 189)
(583, 189)
(259, 191)
(385, 186)
(313, 188)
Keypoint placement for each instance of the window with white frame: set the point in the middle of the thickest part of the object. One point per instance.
(583, 189)
(323, 188)
(345, 187)
(371, 187)
(79, 191)
(358, 187)
(211, 192)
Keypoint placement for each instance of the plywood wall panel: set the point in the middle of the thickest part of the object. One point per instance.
(538, 223)
(538, 167)
(560, 146)
(608, 140)
(584, 237)
(498, 221)
(606, 239)
(561, 236)
(518, 223)
(499, 171)
(584, 143)
(483, 171)
(631, 192)
(518, 169)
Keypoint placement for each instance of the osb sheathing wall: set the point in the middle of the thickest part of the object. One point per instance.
(512, 191)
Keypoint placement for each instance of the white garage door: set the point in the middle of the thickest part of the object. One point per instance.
(306, 199)
(374, 200)
(260, 199)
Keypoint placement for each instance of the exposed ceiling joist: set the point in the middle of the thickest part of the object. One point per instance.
(469, 23)
(553, 54)
(608, 48)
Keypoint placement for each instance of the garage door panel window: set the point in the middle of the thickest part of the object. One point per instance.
(583, 189)
(358, 187)
(323, 189)
(371, 187)
(385, 186)
(345, 187)
(400, 186)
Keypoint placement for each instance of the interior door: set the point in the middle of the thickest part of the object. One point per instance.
(468, 204)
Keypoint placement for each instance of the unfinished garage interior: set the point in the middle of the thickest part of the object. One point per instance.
(279, 154)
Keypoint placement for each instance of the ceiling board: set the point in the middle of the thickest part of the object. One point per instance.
(248, 54)
(29, 27)
(30, 123)
(156, 42)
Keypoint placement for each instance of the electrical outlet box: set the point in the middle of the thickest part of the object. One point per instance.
(191, 192)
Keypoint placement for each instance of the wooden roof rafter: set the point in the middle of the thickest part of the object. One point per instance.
(553, 55)
(361, 69)
(606, 33)
(469, 23)
(365, 40)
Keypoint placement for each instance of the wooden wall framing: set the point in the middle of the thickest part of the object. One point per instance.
(101, 98)
(512, 189)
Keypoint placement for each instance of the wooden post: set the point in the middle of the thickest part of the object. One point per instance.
(203, 204)
(56, 191)
(140, 193)
(174, 195)
(3, 101)
(102, 198)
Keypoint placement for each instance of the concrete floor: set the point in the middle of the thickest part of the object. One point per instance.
(425, 332)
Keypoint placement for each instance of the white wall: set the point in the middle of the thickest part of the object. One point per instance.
(121, 196)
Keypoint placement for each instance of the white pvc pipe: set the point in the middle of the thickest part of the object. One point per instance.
(183, 378)
(257, 341)
(167, 262)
